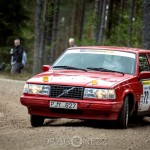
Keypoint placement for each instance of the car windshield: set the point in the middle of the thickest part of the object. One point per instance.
(99, 60)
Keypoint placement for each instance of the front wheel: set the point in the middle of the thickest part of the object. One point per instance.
(36, 120)
(123, 118)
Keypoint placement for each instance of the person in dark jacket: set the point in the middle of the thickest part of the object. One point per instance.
(16, 57)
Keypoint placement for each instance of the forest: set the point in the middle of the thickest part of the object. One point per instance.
(44, 26)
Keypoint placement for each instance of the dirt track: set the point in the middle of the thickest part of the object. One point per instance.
(16, 132)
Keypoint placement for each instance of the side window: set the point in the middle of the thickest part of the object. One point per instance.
(144, 65)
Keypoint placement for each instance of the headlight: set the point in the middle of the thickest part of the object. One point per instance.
(99, 93)
(36, 89)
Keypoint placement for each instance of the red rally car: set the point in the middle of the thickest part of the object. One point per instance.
(95, 82)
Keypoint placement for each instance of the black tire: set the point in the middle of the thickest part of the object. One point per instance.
(123, 118)
(140, 120)
(36, 121)
(134, 116)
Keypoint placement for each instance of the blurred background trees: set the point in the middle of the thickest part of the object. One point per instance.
(46, 25)
(146, 25)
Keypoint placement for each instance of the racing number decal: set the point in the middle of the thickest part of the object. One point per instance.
(145, 97)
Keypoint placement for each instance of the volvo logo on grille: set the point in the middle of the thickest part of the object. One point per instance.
(65, 92)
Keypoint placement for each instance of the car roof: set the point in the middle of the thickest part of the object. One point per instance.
(127, 49)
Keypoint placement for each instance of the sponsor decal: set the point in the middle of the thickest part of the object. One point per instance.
(145, 97)
(45, 79)
(94, 82)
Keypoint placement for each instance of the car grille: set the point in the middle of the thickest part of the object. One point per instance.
(66, 92)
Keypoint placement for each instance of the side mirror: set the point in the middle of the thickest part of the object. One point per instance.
(46, 68)
(144, 75)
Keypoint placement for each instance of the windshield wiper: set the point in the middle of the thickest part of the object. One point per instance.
(69, 67)
(104, 69)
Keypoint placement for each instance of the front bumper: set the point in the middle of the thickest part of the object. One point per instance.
(87, 109)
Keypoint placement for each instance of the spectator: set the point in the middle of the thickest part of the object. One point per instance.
(16, 59)
(71, 42)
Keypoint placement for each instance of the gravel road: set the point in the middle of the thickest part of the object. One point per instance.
(16, 132)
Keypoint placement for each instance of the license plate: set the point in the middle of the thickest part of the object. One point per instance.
(65, 105)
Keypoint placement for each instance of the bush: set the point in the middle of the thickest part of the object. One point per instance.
(5, 55)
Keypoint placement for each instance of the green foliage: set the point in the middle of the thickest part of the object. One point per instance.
(12, 17)
(120, 33)
(137, 33)
(18, 19)
(88, 29)
(5, 55)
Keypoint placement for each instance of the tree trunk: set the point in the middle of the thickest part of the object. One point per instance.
(130, 22)
(43, 38)
(146, 25)
(37, 38)
(82, 20)
(121, 11)
(102, 24)
(110, 18)
(54, 32)
(97, 20)
(75, 16)
(49, 27)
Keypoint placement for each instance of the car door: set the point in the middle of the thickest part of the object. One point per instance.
(144, 65)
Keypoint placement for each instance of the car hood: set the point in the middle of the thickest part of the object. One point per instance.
(80, 78)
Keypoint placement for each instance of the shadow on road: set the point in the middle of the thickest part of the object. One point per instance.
(93, 123)
(81, 123)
